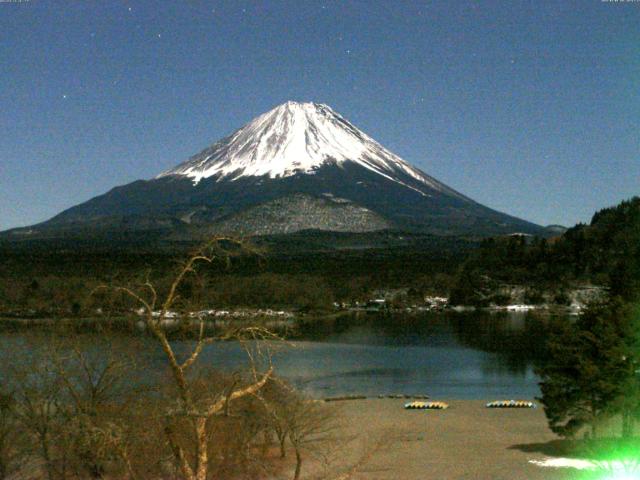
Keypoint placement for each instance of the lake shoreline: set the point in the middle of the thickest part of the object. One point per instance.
(465, 356)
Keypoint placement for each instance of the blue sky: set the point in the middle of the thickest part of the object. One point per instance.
(529, 107)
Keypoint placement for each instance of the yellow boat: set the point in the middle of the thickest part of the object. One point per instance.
(511, 404)
(426, 406)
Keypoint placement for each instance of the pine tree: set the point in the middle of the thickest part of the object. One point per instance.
(588, 367)
(629, 402)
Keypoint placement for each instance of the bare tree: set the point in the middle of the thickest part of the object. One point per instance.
(96, 377)
(9, 453)
(276, 399)
(311, 423)
(39, 413)
(198, 411)
(69, 404)
(85, 411)
(308, 425)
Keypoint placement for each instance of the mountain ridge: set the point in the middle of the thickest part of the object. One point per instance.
(299, 156)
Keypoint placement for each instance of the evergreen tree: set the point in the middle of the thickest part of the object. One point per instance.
(629, 401)
(588, 369)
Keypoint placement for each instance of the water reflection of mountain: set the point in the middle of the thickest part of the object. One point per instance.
(380, 329)
(516, 338)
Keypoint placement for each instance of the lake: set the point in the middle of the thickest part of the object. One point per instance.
(445, 355)
(476, 355)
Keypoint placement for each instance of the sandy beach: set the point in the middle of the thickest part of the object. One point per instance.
(466, 441)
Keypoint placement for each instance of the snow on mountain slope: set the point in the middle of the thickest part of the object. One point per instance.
(300, 166)
(299, 138)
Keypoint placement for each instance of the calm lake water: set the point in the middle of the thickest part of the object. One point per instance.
(466, 356)
(444, 355)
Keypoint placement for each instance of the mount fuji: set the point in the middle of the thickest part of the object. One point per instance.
(299, 166)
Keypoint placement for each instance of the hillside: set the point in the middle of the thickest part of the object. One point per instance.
(604, 252)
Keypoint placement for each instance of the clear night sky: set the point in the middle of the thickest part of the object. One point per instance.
(530, 107)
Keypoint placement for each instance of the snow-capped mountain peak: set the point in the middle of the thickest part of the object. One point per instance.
(295, 138)
(300, 166)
